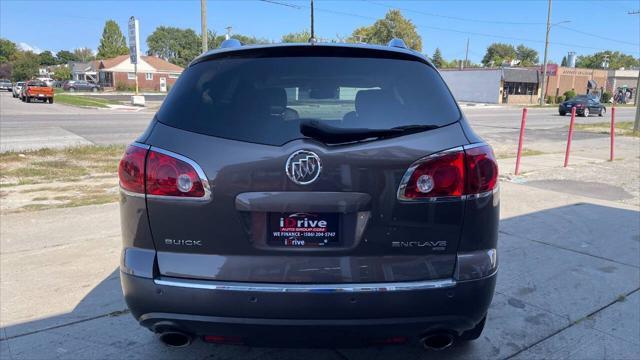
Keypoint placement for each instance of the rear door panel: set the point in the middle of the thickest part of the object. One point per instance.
(382, 239)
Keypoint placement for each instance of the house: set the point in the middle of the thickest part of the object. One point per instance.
(153, 73)
(83, 71)
(494, 85)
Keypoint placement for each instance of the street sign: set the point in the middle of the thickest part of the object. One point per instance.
(134, 40)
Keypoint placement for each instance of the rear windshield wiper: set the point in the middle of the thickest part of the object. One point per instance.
(328, 134)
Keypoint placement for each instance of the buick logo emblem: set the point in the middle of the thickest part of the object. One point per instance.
(303, 167)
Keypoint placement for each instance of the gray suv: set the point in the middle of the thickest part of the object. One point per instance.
(310, 194)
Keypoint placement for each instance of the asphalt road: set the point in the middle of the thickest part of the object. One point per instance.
(26, 126)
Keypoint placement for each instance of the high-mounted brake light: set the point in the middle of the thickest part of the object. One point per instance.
(450, 174)
(160, 173)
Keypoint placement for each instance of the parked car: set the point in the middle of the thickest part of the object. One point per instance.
(81, 85)
(314, 194)
(5, 85)
(36, 90)
(585, 105)
(17, 87)
(47, 80)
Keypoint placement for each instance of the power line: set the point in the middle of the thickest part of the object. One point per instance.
(499, 22)
(298, 7)
(597, 36)
(464, 32)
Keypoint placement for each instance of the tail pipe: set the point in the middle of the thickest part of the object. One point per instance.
(437, 341)
(175, 338)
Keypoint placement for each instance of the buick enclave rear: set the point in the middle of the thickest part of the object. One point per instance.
(309, 194)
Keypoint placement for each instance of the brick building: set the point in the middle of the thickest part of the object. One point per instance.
(580, 80)
(153, 73)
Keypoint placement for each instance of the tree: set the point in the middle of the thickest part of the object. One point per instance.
(112, 42)
(178, 46)
(62, 73)
(215, 40)
(25, 66)
(497, 53)
(564, 61)
(526, 55)
(437, 59)
(616, 60)
(394, 25)
(64, 56)
(47, 58)
(84, 54)
(297, 37)
(8, 50)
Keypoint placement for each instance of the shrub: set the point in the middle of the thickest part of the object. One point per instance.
(125, 87)
(559, 99)
(550, 99)
(569, 94)
(606, 96)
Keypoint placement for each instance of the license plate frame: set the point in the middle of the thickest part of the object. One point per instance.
(304, 229)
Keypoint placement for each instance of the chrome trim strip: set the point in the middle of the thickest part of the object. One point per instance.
(196, 167)
(306, 288)
(474, 145)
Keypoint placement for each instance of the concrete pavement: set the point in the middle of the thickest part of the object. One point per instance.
(567, 287)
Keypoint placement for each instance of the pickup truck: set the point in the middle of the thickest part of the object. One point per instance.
(36, 90)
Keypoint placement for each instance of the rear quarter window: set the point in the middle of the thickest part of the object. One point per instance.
(263, 100)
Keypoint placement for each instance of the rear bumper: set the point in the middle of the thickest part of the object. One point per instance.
(269, 317)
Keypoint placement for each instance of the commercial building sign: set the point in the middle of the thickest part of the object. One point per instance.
(134, 40)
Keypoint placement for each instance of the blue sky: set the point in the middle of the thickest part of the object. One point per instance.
(444, 24)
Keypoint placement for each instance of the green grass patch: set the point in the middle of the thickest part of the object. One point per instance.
(68, 164)
(624, 128)
(82, 100)
(525, 152)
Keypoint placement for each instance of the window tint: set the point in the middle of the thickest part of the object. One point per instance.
(263, 100)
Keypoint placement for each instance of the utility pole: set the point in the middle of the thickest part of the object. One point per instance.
(203, 25)
(543, 91)
(313, 32)
(636, 123)
(466, 55)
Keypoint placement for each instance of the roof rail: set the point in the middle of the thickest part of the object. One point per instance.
(399, 43)
(230, 43)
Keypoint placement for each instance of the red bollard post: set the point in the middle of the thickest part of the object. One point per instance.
(570, 136)
(613, 132)
(522, 127)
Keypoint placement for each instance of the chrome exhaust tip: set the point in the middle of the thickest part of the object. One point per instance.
(175, 339)
(438, 341)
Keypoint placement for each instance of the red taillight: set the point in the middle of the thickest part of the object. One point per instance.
(131, 169)
(451, 173)
(157, 172)
(440, 175)
(169, 176)
(482, 170)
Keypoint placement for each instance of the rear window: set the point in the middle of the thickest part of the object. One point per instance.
(37, 83)
(263, 100)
